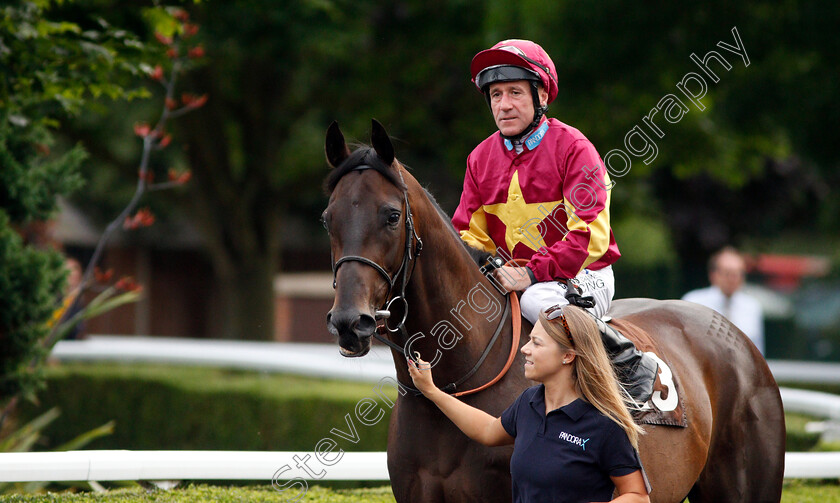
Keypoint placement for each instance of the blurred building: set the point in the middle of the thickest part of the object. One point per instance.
(169, 261)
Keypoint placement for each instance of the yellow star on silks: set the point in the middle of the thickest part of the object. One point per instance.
(520, 217)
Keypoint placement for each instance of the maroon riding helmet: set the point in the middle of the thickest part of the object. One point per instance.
(511, 60)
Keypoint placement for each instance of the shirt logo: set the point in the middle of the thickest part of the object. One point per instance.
(532, 140)
(536, 137)
(572, 439)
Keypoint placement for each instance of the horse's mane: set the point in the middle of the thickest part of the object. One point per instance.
(366, 156)
(479, 256)
(363, 156)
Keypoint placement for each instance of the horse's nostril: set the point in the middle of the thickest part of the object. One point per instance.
(329, 317)
(365, 326)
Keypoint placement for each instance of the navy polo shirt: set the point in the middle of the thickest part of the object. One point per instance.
(567, 455)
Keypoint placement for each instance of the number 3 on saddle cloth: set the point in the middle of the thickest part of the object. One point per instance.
(641, 372)
(665, 403)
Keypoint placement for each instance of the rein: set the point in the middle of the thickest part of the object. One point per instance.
(512, 304)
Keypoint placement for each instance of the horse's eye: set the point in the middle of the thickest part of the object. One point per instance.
(394, 218)
(324, 223)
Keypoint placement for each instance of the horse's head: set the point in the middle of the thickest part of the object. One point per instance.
(370, 239)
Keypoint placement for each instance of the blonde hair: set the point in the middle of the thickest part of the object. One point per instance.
(593, 372)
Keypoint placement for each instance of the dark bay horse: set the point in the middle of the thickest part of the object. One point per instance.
(732, 445)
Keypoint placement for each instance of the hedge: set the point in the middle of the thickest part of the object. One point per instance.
(186, 408)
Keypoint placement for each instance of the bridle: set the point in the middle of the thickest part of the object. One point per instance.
(412, 249)
(410, 253)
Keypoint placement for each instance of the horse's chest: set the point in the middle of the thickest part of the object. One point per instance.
(430, 460)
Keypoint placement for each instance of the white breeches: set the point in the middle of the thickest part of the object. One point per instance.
(599, 284)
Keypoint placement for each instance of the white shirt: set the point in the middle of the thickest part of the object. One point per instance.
(741, 309)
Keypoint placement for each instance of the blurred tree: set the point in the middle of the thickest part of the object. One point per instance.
(49, 69)
(278, 74)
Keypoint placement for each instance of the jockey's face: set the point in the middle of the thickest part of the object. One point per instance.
(513, 106)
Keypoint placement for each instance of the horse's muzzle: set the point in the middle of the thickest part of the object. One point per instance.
(353, 330)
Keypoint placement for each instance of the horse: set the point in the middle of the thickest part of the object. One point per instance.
(397, 258)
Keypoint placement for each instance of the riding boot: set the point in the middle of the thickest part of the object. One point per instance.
(636, 370)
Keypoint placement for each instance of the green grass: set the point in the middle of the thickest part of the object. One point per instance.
(795, 491)
(811, 491)
(204, 493)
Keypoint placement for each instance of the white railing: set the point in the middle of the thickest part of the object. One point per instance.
(315, 360)
(813, 403)
(103, 466)
(184, 465)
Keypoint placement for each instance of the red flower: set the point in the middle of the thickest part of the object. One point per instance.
(142, 129)
(163, 39)
(179, 178)
(127, 284)
(171, 104)
(167, 138)
(157, 73)
(182, 15)
(196, 52)
(143, 218)
(193, 101)
(102, 277)
(147, 177)
(172, 53)
(190, 29)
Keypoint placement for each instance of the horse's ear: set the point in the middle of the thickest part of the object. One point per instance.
(381, 142)
(336, 147)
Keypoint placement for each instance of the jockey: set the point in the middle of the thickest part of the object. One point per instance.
(536, 190)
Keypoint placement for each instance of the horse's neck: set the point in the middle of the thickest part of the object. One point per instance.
(451, 303)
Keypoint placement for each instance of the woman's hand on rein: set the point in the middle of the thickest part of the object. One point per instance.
(422, 375)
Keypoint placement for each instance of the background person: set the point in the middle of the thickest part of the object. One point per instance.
(727, 270)
(576, 418)
(536, 189)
